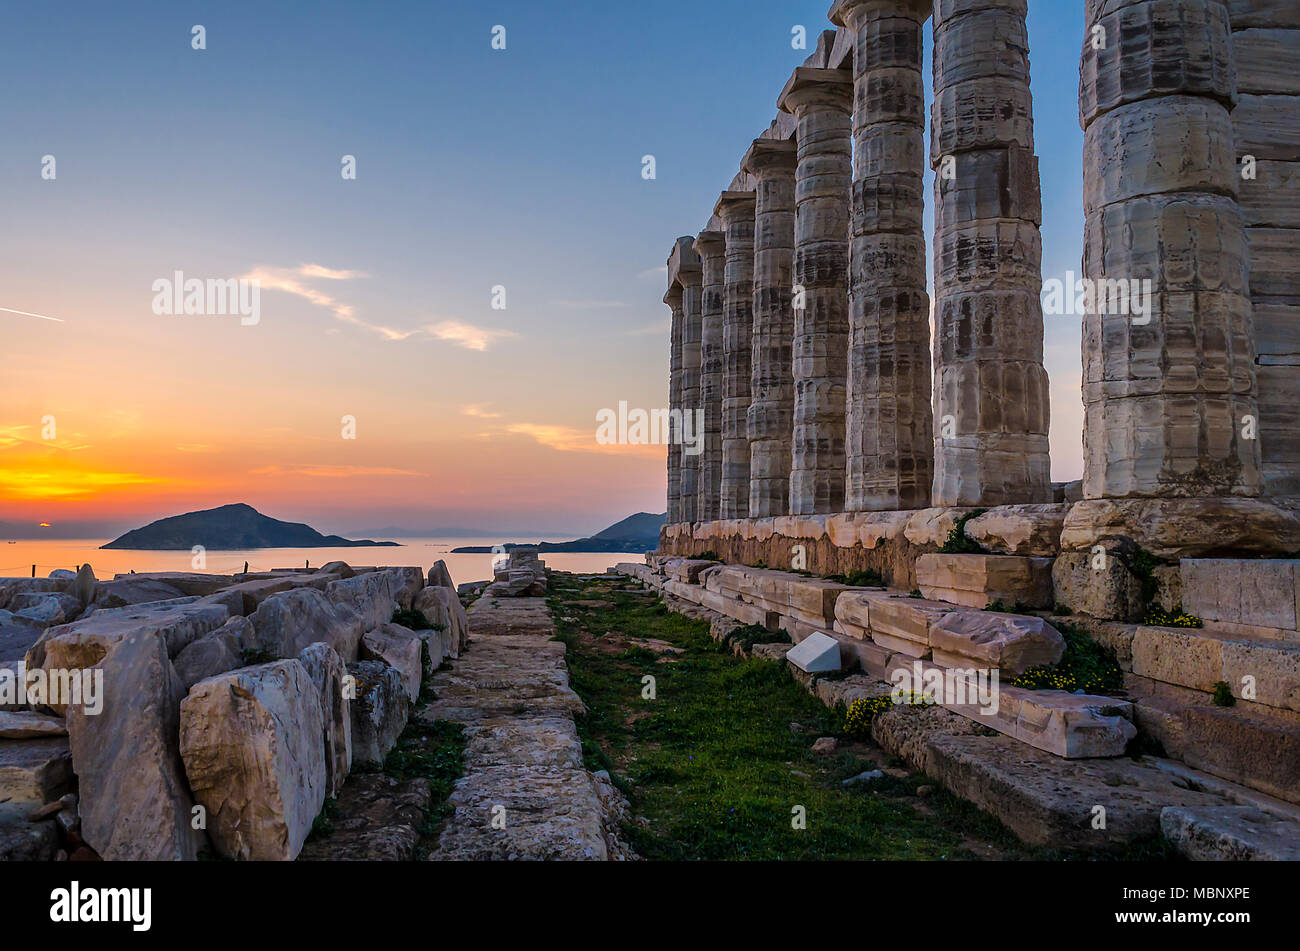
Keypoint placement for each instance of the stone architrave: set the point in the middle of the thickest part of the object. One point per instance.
(736, 209)
(771, 408)
(991, 410)
(890, 434)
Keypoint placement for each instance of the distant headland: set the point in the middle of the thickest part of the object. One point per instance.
(235, 527)
(639, 532)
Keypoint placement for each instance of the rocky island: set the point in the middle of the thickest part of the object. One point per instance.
(235, 527)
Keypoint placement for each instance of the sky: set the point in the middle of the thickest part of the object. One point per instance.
(383, 382)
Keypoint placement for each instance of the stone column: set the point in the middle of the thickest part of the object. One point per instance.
(990, 391)
(674, 300)
(821, 101)
(1168, 394)
(771, 407)
(890, 446)
(736, 209)
(711, 246)
(1266, 127)
(686, 265)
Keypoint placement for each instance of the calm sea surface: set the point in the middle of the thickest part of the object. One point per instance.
(16, 559)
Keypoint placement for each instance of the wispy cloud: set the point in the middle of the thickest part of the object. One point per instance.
(331, 472)
(658, 327)
(293, 281)
(572, 439)
(479, 410)
(467, 335)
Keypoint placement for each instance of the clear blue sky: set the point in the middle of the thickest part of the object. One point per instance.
(475, 168)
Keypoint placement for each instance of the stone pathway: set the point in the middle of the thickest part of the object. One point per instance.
(524, 793)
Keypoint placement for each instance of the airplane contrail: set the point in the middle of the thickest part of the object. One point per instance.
(23, 313)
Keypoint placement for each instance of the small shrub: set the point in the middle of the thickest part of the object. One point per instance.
(753, 634)
(916, 593)
(1157, 616)
(1223, 695)
(857, 720)
(412, 619)
(868, 578)
(1061, 610)
(1085, 665)
(958, 543)
(709, 555)
(252, 656)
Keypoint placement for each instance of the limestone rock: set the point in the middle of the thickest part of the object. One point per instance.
(83, 586)
(404, 583)
(251, 742)
(287, 622)
(817, 654)
(339, 569)
(443, 610)
(377, 819)
(26, 725)
(1019, 529)
(370, 596)
(46, 609)
(1098, 584)
(35, 771)
(326, 670)
(85, 643)
(978, 580)
(25, 841)
(379, 707)
(134, 799)
(440, 576)
(215, 652)
(399, 648)
(1230, 834)
(1012, 643)
(124, 592)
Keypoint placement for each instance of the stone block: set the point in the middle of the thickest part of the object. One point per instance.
(1012, 643)
(906, 619)
(135, 801)
(1030, 530)
(379, 707)
(326, 670)
(978, 580)
(399, 648)
(261, 802)
(287, 622)
(1230, 834)
(214, 653)
(818, 654)
(1244, 595)
(35, 771)
(1099, 585)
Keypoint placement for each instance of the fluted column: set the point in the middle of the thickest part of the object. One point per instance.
(736, 209)
(890, 437)
(991, 410)
(820, 100)
(1168, 395)
(688, 275)
(674, 300)
(771, 407)
(1266, 127)
(712, 249)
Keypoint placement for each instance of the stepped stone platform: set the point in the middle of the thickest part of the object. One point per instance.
(525, 793)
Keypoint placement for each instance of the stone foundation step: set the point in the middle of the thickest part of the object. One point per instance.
(977, 580)
(1247, 744)
(811, 600)
(1230, 834)
(1190, 657)
(1250, 596)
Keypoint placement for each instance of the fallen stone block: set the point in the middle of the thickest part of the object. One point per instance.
(818, 654)
(1009, 642)
(439, 576)
(1230, 834)
(215, 652)
(286, 623)
(35, 771)
(262, 800)
(978, 580)
(399, 648)
(189, 583)
(130, 590)
(688, 570)
(327, 671)
(11, 587)
(905, 619)
(404, 583)
(134, 800)
(442, 610)
(369, 596)
(1027, 530)
(255, 591)
(27, 725)
(83, 644)
(46, 609)
(379, 706)
(339, 569)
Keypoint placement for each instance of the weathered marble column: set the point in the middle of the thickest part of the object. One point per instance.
(1266, 126)
(890, 444)
(674, 300)
(821, 101)
(686, 265)
(736, 209)
(771, 407)
(712, 249)
(991, 409)
(1169, 394)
